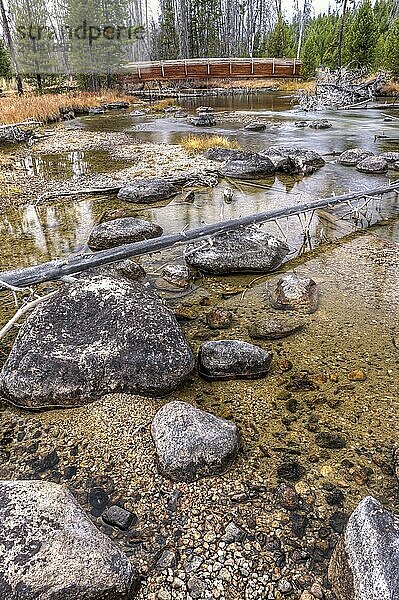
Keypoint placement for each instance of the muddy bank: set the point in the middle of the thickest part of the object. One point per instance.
(292, 487)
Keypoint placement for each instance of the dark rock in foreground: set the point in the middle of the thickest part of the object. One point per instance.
(191, 443)
(372, 164)
(257, 167)
(365, 563)
(350, 158)
(295, 293)
(52, 551)
(248, 250)
(14, 135)
(152, 189)
(122, 231)
(97, 336)
(233, 359)
(275, 327)
(119, 517)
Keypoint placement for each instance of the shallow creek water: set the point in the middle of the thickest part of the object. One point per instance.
(279, 416)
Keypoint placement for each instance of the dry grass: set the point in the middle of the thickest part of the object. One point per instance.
(392, 87)
(162, 104)
(199, 143)
(46, 107)
(285, 85)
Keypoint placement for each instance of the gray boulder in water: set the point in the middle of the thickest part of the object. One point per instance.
(292, 292)
(390, 157)
(255, 126)
(191, 443)
(226, 154)
(122, 231)
(14, 135)
(97, 336)
(233, 359)
(257, 167)
(142, 191)
(365, 562)
(350, 158)
(202, 120)
(247, 250)
(52, 551)
(372, 164)
(302, 159)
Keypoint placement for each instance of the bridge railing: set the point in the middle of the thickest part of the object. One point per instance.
(206, 68)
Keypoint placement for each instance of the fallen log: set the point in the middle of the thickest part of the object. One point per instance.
(56, 269)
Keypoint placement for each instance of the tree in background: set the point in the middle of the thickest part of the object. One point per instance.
(320, 45)
(167, 42)
(392, 48)
(360, 45)
(281, 41)
(5, 63)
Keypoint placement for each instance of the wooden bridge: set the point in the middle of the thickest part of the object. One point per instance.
(213, 68)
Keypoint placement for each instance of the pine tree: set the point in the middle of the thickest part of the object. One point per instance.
(320, 46)
(392, 48)
(281, 41)
(362, 37)
(168, 44)
(5, 63)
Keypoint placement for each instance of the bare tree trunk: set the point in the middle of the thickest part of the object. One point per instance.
(11, 47)
(341, 33)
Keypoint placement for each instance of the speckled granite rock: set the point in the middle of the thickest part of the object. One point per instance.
(390, 157)
(226, 154)
(191, 443)
(257, 167)
(372, 164)
(96, 336)
(275, 327)
(122, 231)
(233, 359)
(292, 292)
(365, 563)
(247, 250)
(307, 160)
(142, 191)
(350, 158)
(52, 551)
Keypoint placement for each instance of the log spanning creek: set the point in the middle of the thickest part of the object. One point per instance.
(119, 385)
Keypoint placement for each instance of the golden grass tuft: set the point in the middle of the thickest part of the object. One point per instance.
(199, 143)
(46, 107)
(162, 104)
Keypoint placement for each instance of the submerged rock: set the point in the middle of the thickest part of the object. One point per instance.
(246, 250)
(178, 275)
(219, 318)
(257, 167)
(365, 562)
(52, 551)
(191, 443)
(372, 164)
(122, 231)
(127, 268)
(275, 327)
(255, 126)
(292, 292)
(233, 359)
(97, 336)
(350, 158)
(152, 189)
(202, 120)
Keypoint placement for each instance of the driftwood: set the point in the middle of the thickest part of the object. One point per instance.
(59, 268)
(342, 89)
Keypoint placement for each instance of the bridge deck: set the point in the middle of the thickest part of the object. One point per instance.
(216, 68)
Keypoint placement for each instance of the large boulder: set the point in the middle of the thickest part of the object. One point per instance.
(292, 292)
(248, 250)
(52, 551)
(122, 231)
(257, 167)
(191, 443)
(232, 359)
(350, 158)
(13, 135)
(226, 154)
(304, 160)
(372, 164)
(141, 191)
(365, 562)
(97, 336)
